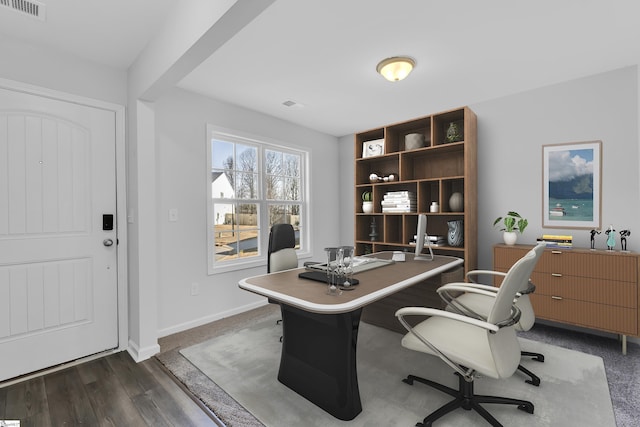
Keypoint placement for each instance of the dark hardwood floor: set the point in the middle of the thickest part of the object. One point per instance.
(109, 391)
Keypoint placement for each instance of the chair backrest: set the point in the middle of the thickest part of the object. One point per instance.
(281, 254)
(518, 274)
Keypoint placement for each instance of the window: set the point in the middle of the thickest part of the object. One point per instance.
(253, 184)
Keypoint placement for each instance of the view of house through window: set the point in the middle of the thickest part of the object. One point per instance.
(254, 185)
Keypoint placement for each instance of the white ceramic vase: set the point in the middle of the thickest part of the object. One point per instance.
(510, 237)
(456, 202)
(367, 207)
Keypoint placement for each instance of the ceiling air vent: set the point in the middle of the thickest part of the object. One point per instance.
(26, 7)
(291, 103)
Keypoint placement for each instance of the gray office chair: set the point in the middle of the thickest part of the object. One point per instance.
(472, 347)
(478, 305)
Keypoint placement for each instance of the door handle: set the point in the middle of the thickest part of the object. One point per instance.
(107, 242)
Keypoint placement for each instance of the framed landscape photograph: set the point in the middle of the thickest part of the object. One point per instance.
(571, 181)
(373, 148)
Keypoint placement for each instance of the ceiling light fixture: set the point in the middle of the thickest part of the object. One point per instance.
(396, 68)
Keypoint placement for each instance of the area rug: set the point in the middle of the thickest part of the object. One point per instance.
(244, 364)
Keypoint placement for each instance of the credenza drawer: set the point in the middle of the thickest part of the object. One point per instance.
(619, 320)
(609, 292)
(610, 266)
(573, 262)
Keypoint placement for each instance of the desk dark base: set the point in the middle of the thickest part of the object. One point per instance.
(319, 359)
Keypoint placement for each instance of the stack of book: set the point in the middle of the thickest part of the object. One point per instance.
(556, 241)
(435, 240)
(399, 202)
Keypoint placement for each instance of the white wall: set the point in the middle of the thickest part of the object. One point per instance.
(181, 119)
(50, 69)
(512, 130)
(511, 133)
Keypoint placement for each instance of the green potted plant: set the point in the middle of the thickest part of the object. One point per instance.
(512, 222)
(367, 203)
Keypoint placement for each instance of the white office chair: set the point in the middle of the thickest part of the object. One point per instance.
(472, 347)
(478, 305)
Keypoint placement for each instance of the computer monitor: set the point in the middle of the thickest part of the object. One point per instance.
(421, 237)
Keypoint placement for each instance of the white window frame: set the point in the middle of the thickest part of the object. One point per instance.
(262, 143)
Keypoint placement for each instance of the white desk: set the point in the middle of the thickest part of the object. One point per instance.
(320, 331)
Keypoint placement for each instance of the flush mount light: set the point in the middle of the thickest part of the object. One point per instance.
(396, 68)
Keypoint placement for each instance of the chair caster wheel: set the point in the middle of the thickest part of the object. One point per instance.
(535, 382)
(527, 407)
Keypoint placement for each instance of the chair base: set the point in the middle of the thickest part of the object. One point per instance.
(535, 380)
(466, 399)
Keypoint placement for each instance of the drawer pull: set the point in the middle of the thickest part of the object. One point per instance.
(555, 297)
(556, 274)
(556, 252)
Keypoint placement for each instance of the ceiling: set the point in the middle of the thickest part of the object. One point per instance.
(322, 54)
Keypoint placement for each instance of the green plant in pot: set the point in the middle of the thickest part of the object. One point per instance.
(367, 202)
(510, 224)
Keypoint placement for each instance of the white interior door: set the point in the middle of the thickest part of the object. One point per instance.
(58, 277)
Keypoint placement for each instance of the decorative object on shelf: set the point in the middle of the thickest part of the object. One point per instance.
(456, 202)
(374, 177)
(455, 235)
(593, 240)
(373, 236)
(367, 203)
(413, 141)
(453, 133)
(373, 148)
(512, 222)
(395, 68)
(434, 208)
(561, 241)
(623, 239)
(611, 238)
(571, 185)
(399, 202)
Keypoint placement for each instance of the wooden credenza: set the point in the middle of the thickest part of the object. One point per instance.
(594, 289)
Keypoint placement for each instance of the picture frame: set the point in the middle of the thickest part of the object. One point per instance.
(571, 185)
(373, 148)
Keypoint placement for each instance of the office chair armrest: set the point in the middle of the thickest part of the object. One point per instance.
(468, 287)
(429, 312)
(531, 288)
(485, 272)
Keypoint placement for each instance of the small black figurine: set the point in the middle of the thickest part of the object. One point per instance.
(623, 239)
(593, 235)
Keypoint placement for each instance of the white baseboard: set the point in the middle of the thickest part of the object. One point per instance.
(208, 319)
(139, 355)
